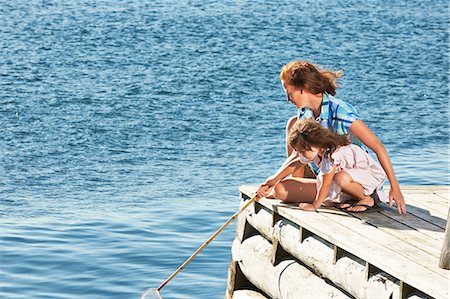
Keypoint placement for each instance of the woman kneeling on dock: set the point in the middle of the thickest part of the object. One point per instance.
(311, 90)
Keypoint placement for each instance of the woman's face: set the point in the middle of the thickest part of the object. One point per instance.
(295, 95)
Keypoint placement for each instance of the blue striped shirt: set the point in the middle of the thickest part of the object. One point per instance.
(336, 115)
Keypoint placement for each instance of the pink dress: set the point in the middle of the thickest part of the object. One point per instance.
(359, 165)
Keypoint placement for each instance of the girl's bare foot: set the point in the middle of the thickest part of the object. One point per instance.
(347, 204)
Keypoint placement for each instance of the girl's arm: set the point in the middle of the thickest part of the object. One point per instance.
(288, 167)
(363, 133)
(322, 194)
(294, 155)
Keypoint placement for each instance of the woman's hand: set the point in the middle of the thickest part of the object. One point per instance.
(266, 188)
(395, 194)
(306, 206)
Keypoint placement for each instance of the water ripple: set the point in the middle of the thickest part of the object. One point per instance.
(127, 126)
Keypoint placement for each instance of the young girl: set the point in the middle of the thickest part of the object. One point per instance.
(347, 172)
(312, 91)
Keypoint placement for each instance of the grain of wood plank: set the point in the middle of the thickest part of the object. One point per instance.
(395, 226)
(429, 202)
(429, 216)
(422, 227)
(425, 189)
(444, 195)
(412, 187)
(441, 191)
(392, 243)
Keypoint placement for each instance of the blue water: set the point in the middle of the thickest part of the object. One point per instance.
(128, 126)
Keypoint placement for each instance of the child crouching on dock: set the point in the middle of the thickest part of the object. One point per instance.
(349, 177)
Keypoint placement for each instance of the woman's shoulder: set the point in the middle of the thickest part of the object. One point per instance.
(341, 105)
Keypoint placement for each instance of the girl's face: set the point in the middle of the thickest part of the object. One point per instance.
(295, 96)
(312, 153)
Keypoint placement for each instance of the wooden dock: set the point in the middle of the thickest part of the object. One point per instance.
(283, 252)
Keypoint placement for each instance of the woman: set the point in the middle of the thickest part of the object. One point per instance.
(312, 91)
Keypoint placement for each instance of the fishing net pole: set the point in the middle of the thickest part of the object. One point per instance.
(154, 293)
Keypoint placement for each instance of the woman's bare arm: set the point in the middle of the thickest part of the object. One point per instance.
(360, 130)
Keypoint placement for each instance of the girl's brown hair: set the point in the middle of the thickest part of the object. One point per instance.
(305, 75)
(308, 133)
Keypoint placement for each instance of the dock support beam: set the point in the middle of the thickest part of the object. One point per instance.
(444, 261)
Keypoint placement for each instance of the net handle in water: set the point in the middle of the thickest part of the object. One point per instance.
(204, 245)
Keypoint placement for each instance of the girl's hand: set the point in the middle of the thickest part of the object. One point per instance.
(266, 188)
(307, 206)
(397, 196)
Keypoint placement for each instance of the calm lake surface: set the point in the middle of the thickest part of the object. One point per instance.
(128, 126)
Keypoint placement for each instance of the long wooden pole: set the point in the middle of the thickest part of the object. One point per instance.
(207, 242)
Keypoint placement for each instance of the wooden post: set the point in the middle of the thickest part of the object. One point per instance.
(371, 270)
(338, 252)
(304, 233)
(444, 262)
(231, 280)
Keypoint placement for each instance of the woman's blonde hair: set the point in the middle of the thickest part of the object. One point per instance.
(305, 75)
(308, 133)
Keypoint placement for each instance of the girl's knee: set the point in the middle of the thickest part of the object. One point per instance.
(280, 192)
(342, 178)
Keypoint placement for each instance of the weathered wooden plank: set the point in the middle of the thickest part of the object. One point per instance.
(391, 243)
(434, 200)
(413, 189)
(418, 203)
(419, 228)
(407, 228)
(249, 190)
(423, 201)
(426, 215)
(443, 192)
(445, 195)
(390, 259)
